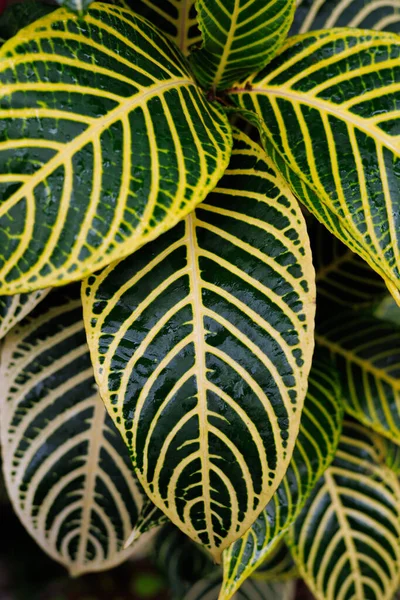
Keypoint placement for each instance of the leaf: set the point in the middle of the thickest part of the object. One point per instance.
(149, 518)
(202, 343)
(315, 447)
(176, 18)
(114, 141)
(278, 566)
(239, 37)
(382, 15)
(342, 277)
(367, 355)
(330, 121)
(67, 471)
(388, 310)
(78, 6)
(15, 308)
(182, 562)
(20, 15)
(207, 589)
(346, 541)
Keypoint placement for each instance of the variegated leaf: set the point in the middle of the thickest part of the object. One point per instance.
(367, 355)
(329, 112)
(149, 518)
(239, 37)
(14, 308)
(176, 18)
(67, 471)
(202, 343)
(111, 144)
(382, 15)
(342, 277)
(278, 566)
(346, 542)
(315, 448)
(208, 589)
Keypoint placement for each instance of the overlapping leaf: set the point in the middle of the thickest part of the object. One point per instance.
(149, 518)
(176, 18)
(208, 589)
(239, 37)
(342, 276)
(78, 6)
(17, 16)
(14, 308)
(382, 15)
(202, 343)
(328, 108)
(346, 541)
(315, 448)
(278, 566)
(105, 142)
(367, 355)
(67, 471)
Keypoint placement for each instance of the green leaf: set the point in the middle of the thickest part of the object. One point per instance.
(181, 561)
(67, 471)
(111, 144)
(239, 37)
(278, 566)
(15, 308)
(388, 310)
(78, 6)
(367, 355)
(176, 18)
(202, 343)
(149, 518)
(364, 14)
(330, 120)
(346, 541)
(342, 277)
(315, 447)
(20, 15)
(208, 589)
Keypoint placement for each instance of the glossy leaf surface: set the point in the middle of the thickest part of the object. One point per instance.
(176, 18)
(367, 356)
(342, 276)
(105, 142)
(328, 109)
(382, 15)
(346, 541)
(202, 343)
(67, 471)
(239, 37)
(315, 448)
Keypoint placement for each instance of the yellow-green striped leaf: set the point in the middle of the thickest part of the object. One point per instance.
(367, 355)
(383, 15)
(14, 308)
(330, 119)
(202, 343)
(105, 142)
(208, 589)
(342, 276)
(346, 541)
(320, 428)
(239, 37)
(149, 518)
(278, 566)
(176, 18)
(67, 471)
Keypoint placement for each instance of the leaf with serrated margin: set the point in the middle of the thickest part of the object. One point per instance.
(176, 18)
(342, 276)
(202, 344)
(208, 589)
(105, 142)
(367, 354)
(67, 471)
(329, 107)
(346, 542)
(239, 37)
(315, 447)
(382, 15)
(15, 308)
